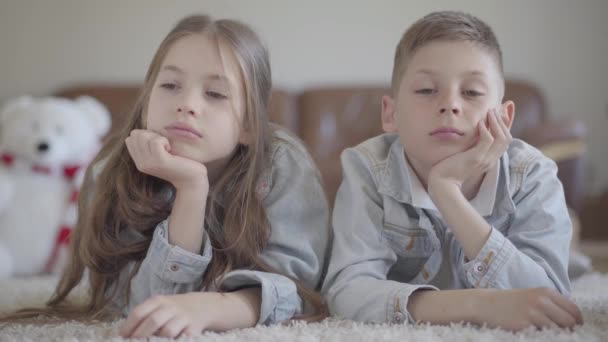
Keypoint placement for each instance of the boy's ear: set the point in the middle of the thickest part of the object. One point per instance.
(509, 109)
(389, 121)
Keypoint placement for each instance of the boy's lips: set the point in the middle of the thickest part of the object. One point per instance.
(445, 131)
(183, 129)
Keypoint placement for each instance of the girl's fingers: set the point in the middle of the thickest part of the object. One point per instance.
(173, 328)
(137, 315)
(158, 146)
(154, 321)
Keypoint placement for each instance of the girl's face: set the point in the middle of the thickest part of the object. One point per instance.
(197, 101)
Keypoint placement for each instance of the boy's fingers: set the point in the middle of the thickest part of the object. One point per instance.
(502, 123)
(485, 139)
(558, 315)
(495, 127)
(540, 320)
(569, 306)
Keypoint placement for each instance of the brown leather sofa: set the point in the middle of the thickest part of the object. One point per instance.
(333, 118)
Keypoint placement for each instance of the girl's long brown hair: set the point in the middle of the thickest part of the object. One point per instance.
(121, 198)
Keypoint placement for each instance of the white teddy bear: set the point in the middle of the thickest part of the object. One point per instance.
(45, 146)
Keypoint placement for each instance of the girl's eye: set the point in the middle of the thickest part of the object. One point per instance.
(216, 95)
(425, 91)
(472, 93)
(169, 86)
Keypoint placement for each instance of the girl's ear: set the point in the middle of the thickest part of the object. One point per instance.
(245, 137)
(508, 109)
(389, 122)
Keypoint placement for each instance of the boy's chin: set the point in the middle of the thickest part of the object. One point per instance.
(438, 156)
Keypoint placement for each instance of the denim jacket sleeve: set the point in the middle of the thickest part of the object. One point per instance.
(356, 286)
(533, 249)
(298, 213)
(167, 269)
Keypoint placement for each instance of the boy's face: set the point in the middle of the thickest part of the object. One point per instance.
(446, 89)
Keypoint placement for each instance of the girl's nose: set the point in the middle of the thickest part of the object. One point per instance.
(186, 109)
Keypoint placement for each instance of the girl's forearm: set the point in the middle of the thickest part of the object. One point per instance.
(186, 223)
(238, 309)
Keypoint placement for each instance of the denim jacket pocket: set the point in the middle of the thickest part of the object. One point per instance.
(412, 246)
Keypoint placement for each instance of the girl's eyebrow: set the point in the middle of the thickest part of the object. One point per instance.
(212, 77)
(173, 68)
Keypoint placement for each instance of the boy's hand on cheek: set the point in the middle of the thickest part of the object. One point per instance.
(151, 154)
(491, 144)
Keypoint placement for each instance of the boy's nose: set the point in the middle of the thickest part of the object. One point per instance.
(454, 110)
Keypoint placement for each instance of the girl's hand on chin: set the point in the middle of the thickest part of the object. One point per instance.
(151, 154)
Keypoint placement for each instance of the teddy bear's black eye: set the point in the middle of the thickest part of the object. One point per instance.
(59, 129)
(35, 126)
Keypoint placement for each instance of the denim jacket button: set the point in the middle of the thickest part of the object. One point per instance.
(481, 268)
(399, 317)
(174, 267)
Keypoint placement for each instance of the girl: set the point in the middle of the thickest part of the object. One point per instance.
(200, 215)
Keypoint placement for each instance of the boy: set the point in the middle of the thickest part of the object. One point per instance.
(448, 200)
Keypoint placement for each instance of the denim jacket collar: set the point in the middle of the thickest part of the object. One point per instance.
(396, 182)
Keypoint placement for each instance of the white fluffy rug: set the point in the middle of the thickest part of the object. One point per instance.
(590, 293)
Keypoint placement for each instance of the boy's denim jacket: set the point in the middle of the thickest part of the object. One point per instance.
(298, 212)
(384, 248)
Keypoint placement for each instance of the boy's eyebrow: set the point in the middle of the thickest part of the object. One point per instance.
(469, 72)
(425, 71)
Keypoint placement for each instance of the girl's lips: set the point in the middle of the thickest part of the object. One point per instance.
(184, 130)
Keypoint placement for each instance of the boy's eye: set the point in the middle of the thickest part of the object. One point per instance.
(425, 91)
(216, 95)
(472, 93)
(169, 86)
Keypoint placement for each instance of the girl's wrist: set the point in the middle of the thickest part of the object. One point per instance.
(192, 191)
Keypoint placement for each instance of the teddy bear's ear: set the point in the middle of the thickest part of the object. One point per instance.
(99, 116)
(13, 106)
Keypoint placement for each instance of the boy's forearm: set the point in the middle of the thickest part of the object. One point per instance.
(238, 309)
(187, 219)
(468, 227)
(445, 307)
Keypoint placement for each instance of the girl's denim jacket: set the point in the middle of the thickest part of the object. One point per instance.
(298, 213)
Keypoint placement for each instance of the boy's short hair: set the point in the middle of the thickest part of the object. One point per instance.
(448, 26)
